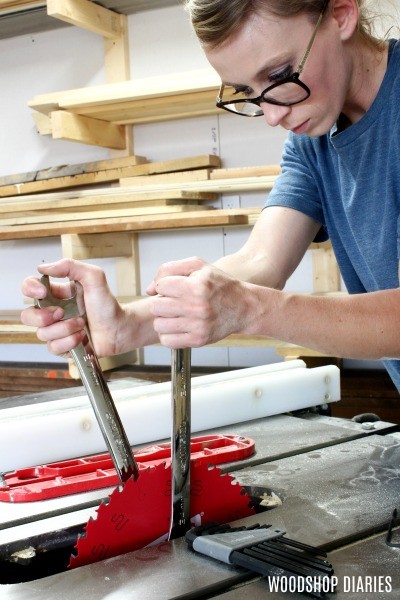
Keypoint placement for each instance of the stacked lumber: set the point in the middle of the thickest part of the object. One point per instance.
(8, 6)
(133, 196)
(18, 379)
(92, 173)
(20, 17)
(138, 196)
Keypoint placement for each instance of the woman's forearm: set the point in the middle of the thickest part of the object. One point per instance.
(364, 326)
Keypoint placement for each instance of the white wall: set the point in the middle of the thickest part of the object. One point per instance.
(161, 41)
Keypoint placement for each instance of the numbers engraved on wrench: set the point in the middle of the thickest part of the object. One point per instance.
(90, 362)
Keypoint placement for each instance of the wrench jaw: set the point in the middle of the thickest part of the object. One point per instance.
(73, 306)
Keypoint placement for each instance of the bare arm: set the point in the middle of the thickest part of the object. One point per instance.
(268, 258)
(206, 304)
(364, 326)
(209, 305)
(274, 249)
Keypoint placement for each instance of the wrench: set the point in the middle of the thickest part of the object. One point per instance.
(180, 443)
(97, 389)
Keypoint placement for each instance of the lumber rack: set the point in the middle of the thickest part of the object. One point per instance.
(105, 222)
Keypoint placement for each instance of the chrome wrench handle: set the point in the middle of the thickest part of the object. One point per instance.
(96, 387)
(180, 443)
(105, 410)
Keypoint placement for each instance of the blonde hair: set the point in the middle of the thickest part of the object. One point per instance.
(215, 21)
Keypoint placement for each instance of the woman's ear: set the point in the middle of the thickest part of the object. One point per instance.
(346, 14)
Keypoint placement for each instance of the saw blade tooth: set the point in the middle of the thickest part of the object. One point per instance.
(139, 514)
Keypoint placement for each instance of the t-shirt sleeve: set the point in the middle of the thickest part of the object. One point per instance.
(296, 187)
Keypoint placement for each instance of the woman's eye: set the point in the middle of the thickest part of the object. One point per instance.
(246, 92)
(286, 72)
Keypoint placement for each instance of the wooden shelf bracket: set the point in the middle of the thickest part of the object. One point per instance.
(87, 15)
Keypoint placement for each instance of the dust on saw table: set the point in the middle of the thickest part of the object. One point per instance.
(331, 481)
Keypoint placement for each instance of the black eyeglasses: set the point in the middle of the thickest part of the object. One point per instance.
(285, 92)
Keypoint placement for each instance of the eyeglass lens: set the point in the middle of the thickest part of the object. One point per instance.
(285, 93)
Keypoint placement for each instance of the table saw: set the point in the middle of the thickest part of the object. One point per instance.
(327, 482)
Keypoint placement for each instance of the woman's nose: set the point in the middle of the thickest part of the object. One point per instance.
(274, 114)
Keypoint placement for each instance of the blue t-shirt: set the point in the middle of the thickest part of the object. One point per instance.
(350, 183)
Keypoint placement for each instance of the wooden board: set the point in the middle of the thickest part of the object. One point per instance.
(63, 217)
(235, 184)
(326, 273)
(74, 169)
(22, 4)
(87, 15)
(113, 174)
(176, 177)
(368, 391)
(136, 90)
(290, 351)
(18, 334)
(8, 317)
(212, 218)
(18, 19)
(17, 379)
(151, 99)
(95, 200)
(237, 172)
(154, 110)
(205, 174)
(87, 130)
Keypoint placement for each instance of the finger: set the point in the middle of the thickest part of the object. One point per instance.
(61, 329)
(173, 287)
(169, 326)
(43, 317)
(62, 347)
(87, 275)
(165, 307)
(181, 331)
(179, 267)
(176, 341)
(33, 288)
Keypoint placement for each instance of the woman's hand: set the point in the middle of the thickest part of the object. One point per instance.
(195, 304)
(104, 314)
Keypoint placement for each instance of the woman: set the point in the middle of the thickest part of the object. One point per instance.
(312, 67)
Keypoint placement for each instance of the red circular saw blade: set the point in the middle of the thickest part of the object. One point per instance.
(140, 512)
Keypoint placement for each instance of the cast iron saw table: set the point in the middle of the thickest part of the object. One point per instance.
(338, 482)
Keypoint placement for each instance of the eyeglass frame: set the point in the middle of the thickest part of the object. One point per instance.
(293, 78)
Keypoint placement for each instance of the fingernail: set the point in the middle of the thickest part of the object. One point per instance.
(37, 287)
(58, 312)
